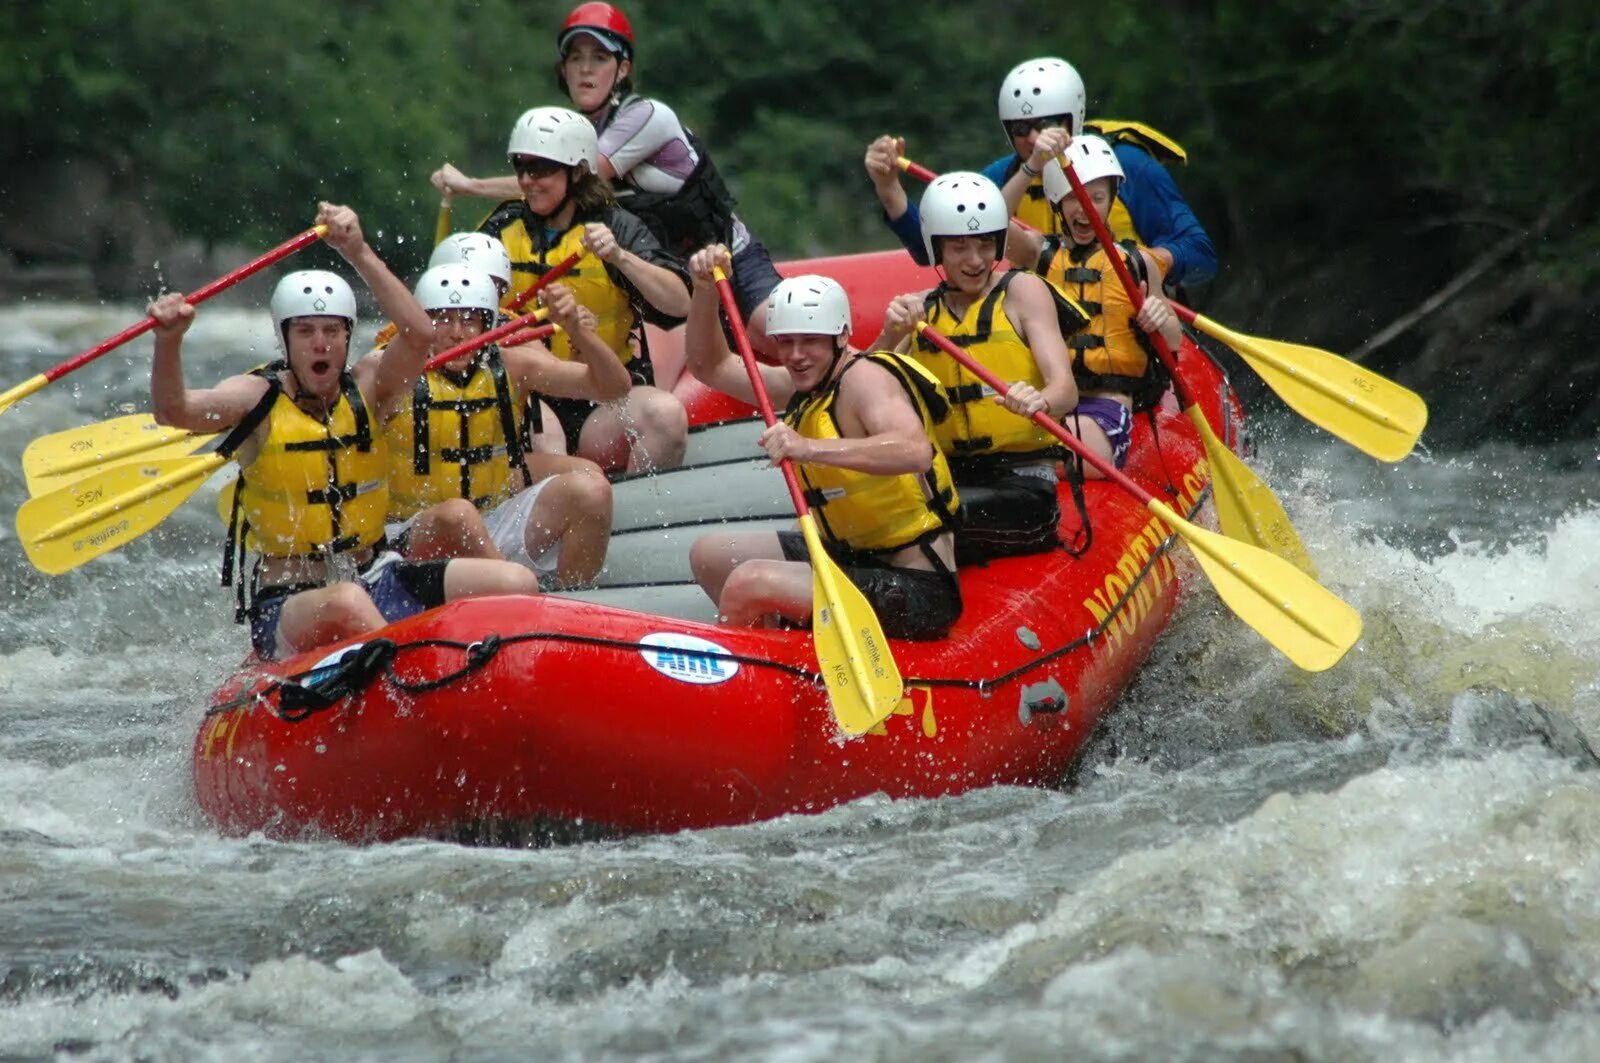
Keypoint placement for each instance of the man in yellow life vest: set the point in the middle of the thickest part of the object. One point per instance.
(1045, 94)
(1011, 321)
(461, 434)
(857, 427)
(1113, 362)
(312, 494)
(625, 279)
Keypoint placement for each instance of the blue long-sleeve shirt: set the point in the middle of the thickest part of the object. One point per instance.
(1159, 213)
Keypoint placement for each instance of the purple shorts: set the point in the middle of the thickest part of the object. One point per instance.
(398, 588)
(1114, 419)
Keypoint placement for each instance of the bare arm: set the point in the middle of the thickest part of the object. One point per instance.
(882, 163)
(1032, 313)
(659, 287)
(597, 373)
(882, 433)
(706, 348)
(451, 181)
(177, 405)
(391, 374)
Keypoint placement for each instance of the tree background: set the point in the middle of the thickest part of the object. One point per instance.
(1349, 157)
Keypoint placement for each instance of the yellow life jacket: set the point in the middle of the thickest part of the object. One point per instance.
(314, 488)
(532, 257)
(1112, 353)
(457, 438)
(870, 514)
(1036, 210)
(978, 424)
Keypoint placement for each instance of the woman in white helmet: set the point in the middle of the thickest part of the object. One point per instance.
(1041, 105)
(857, 427)
(1116, 368)
(1011, 321)
(624, 278)
(312, 492)
(459, 440)
(661, 170)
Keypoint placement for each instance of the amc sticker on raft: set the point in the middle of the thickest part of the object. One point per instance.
(682, 657)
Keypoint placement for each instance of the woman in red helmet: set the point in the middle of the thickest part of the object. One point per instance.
(661, 171)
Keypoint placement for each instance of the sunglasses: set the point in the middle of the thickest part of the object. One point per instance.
(534, 166)
(1018, 128)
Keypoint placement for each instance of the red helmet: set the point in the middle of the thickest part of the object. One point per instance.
(602, 22)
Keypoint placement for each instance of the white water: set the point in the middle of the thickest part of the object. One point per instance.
(1381, 862)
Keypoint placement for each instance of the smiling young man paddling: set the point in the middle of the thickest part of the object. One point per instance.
(312, 495)
(858, 429)
(1011, 321)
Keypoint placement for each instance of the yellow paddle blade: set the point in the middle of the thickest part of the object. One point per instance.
(44, 483)
(1247, 510)
(76, 451)
(98, 514)
(1370, 412)
(852, 652)
(1308, 623)
(12, 396)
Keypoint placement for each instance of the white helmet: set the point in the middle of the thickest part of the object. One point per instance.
(478, 250)
(458, 287)
(1040, 88)
(808, 305)
(312, 293)
(959, 203)
(1091, 158)
(558, 134)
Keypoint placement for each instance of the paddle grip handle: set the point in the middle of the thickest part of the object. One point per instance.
(560, 269)
(741, 339)
(486, 338)
(194, 298)
(1042, 419)
(917, 170)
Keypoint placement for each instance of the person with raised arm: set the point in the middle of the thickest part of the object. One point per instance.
(312, 491)
(461, 432)
(858, 427)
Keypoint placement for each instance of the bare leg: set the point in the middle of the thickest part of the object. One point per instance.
(317, 617)
(471, 577)
(450, 529)
(1093, 437)
(643, 432)
(713, 557)
(573, 509)
(760, 589)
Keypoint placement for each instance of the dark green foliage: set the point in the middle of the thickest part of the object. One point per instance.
(1305, 119)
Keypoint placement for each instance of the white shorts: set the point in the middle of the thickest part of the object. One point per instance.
(508, 524)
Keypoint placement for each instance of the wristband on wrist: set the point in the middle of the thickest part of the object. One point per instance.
(1029, 170)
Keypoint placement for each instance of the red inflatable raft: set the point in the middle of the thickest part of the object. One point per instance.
(626, 708)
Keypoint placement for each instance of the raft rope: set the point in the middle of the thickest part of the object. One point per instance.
(305, 694)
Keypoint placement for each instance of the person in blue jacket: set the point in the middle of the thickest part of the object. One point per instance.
(1047, 93)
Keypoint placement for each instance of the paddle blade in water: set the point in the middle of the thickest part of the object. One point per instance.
(1247, 510)
(107, 510)
(853, 655)
(1308, 623)
(1370, 412)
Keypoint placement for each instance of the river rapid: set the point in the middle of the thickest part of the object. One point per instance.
(1391, 860)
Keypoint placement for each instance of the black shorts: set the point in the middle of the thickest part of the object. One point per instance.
(398, 588)
(572, 413)
(1006, 514)
(911, 603)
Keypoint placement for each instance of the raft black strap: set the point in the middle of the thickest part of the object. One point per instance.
(516, 446)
